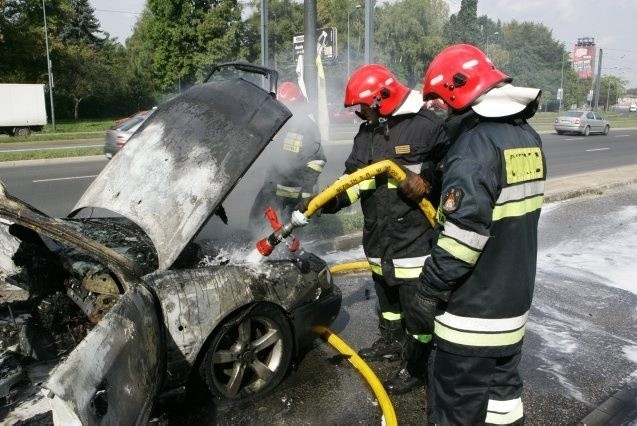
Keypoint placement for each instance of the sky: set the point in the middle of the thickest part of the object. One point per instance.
(611, 23)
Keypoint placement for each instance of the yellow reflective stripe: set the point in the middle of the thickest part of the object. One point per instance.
(392, 316)
(423, 338)
(316, 165)
(352, 193)
(407, 272)
(376, 269)
(458, 250)
(288, 191)
(505, 418)
(517, 208)
(367, 185)
(523, 164)
(392, 183)
(478, 339)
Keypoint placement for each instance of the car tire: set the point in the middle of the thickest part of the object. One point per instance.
(249, 354)
(606, 129)
(21, 131)
(559, 132)
(587, 130)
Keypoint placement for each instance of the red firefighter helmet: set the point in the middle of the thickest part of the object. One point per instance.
(459, 74)
(289, 93)
(375, 86)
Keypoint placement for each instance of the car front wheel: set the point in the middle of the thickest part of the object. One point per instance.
(248, 355)
(606, 129)
(587, 131)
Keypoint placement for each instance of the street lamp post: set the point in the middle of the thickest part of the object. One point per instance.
(358, 6)
(495, 33)
(562, 83)
(48, 64)
(274, 39)
(608, 94)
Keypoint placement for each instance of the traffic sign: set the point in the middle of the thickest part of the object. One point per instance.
(326, 41)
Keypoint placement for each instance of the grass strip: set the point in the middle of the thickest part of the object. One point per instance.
(57, 153)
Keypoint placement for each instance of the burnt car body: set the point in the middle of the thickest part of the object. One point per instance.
(163, 303)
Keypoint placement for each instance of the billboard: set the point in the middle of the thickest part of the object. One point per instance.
(584, 57)
(326, 40)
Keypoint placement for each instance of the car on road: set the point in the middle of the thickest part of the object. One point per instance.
(147, 286)
(117, 136)
(582, 122)
(632, 108)
(137, 114)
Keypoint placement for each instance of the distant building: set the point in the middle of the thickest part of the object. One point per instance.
(584, 57)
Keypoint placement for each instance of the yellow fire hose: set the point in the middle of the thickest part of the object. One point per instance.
(266, 246)
(385, 166)
(389, 415)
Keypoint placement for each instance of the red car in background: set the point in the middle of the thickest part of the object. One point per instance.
(342, 115)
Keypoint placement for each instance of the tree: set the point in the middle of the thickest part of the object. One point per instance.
(84, 72)
(463, 27)
(408, 36)
(82, 26)
(188, 37)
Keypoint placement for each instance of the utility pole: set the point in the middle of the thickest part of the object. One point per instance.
(562, 84)
(358, 6)
(48, 63)
(310, 74)
(369, 30)
(264, 33)
(598, 79)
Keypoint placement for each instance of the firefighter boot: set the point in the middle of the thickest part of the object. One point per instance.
(388, 346)
(413, 368)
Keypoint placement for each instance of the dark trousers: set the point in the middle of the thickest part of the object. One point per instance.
(475, 391)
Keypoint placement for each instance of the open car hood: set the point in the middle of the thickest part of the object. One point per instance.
(184, 160)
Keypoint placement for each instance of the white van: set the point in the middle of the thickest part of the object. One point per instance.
(632, 108)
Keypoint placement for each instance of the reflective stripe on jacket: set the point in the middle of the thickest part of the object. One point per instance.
(484, 258)
(396, 233)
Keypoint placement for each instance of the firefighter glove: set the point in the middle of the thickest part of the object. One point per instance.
(414, 186)
(420, 311)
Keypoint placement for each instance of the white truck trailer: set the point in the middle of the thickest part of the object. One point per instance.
(22, 108)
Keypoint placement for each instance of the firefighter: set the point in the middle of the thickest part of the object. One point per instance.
(476, 287)
(298, 160)
(396, 235)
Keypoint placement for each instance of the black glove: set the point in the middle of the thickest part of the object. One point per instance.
(303, 204)
(414, 186)
(420, 311)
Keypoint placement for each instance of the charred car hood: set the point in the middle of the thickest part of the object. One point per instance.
(181, 164)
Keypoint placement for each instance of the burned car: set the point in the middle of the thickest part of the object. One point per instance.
(166, 290)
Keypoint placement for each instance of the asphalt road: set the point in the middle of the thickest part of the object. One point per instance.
(54, 186)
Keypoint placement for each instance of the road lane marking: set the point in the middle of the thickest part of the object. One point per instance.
(597, 149)
(65, 178)
(621, 136)
(573, 139)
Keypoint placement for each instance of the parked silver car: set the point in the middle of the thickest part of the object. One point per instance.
(138, 299)
(120, 133)
(583, 122)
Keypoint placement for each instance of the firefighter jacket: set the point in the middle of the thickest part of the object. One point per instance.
(299, 159)
(482, 266)
(396, 233)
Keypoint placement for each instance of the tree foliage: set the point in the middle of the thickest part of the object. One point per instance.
(174, 43)
(188, 37)
(408, 36)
